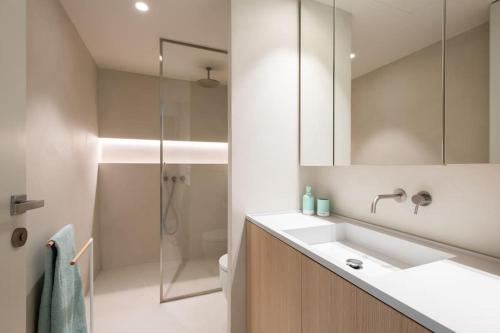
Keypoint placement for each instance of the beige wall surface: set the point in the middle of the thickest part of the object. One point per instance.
(129, 204)
(129, 211)
(128, 105)
(208, 113)
(397, 112)
(61, 136)
(12, 163)
(129, 108)
(397, 109)
(129, 208)
(464, 211)
(495, 83)
(467, 97)
(207, 208)
(264, 126)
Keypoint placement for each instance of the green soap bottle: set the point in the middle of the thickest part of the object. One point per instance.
(308, 202)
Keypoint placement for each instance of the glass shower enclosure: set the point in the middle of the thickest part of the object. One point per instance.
(194, 133)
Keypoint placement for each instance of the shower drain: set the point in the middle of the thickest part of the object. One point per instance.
(354, 263)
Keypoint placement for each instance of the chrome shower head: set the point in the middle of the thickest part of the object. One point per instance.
(208, 82)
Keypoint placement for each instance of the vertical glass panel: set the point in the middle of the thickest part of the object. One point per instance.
(343, 86)
(194, 114)
(316, 82)
(472, 103)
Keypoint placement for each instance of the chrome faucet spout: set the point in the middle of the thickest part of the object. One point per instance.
(399, 195)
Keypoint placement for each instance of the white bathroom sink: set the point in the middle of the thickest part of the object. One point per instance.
(380, 253)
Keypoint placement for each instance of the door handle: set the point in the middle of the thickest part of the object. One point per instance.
(20, 205)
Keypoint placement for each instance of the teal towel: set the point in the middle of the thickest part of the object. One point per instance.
(62, 307)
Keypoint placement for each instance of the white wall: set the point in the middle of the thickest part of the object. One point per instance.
(61, 155)
(263, 124)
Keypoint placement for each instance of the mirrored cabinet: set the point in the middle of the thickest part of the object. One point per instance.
(472, 82)
(390, 82)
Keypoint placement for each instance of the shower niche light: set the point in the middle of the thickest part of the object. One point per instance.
(136, 151)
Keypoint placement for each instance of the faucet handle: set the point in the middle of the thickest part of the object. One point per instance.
(422, 198)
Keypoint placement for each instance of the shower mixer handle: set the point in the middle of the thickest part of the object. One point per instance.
(174, 178)
(421, 199)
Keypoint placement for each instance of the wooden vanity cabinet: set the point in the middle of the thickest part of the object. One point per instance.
(273, 284)
(288, 292)
(332, 304)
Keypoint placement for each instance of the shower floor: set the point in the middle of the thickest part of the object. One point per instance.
(127, 300)
(192, 276)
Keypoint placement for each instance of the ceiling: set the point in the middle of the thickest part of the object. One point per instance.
(387, 30)
(121, 38)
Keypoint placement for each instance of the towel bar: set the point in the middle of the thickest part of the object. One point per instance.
(82, 251)
(88, 245)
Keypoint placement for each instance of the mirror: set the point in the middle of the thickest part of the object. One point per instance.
(383, 103)
(316, 83)
(472, 77)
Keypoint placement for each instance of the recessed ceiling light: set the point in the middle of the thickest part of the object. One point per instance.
(141, 6)
(353, 55)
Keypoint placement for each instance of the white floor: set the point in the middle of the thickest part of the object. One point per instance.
(127, 300)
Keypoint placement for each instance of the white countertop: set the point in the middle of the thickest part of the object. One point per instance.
(461, 294)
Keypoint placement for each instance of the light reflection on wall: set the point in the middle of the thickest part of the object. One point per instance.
(148, 151)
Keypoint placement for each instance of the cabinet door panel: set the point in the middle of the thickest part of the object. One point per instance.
(273, 284)
(375, 316)
(316, 298)
(331, 304)
(409, 326)
(344, 305)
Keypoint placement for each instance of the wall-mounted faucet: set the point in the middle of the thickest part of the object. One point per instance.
(422, 198)
(399, 195)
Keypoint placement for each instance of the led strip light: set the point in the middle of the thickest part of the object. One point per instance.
(148, 151)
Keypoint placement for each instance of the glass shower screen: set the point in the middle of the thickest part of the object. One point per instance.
(194, 118)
